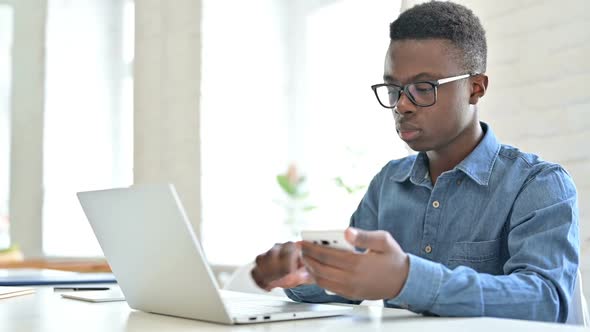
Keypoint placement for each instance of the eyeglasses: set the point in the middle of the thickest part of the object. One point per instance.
(421, 94)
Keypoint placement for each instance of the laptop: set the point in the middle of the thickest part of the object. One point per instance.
(159, 264)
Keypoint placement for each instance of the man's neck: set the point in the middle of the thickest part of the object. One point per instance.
(453, 153)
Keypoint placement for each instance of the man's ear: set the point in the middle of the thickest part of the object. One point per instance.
(479, 86)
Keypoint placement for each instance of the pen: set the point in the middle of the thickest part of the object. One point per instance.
(76, 289)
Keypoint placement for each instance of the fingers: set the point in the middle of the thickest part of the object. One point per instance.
(380, 241)
(323, 271)
(332, 279)
(294, 279)
(340, 259)
(337, 288)
(276, 263)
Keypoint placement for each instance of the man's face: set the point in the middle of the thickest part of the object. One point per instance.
(436, 127)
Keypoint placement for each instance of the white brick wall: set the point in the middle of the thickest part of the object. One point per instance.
(539, 93)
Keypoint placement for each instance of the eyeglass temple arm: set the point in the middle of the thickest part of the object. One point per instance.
(454, 78)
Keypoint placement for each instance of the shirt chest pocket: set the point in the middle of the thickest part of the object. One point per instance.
(482, 256)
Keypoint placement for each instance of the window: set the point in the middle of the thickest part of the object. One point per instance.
(283, 82)
(344, 133)
(88, 115)
(243, 126)
(289, 81)
(6, 18)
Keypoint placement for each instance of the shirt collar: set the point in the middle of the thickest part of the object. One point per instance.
(415, 166)
(477, 165)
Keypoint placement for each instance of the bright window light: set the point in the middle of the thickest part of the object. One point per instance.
(6, 21)
(88, 129)
(289, 82)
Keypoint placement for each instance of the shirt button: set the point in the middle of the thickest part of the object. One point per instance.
(435, 204)
(458, 182)
(428, 249)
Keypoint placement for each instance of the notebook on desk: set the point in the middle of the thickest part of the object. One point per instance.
(30, 277)
(111, 295)
(159, 264)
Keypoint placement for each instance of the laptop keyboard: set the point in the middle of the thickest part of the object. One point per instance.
(260, 307)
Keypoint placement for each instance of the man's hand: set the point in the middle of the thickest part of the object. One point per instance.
(281, 266)
(378, 273)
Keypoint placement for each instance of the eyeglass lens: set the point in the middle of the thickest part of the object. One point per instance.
(421, 94)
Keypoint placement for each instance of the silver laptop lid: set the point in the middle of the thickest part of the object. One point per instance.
(153, 251)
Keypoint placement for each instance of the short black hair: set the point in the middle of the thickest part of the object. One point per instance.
(445, 20)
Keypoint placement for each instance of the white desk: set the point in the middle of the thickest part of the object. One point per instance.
(47, 311)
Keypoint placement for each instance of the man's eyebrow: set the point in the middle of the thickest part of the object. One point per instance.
(420, 76)
(388, 78)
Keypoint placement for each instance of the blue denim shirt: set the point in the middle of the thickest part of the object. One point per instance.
(495, 236)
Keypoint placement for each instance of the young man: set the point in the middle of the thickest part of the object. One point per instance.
(468, 227)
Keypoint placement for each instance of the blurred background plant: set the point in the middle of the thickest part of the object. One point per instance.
(350, 189)
(297, 206)
(296, 203)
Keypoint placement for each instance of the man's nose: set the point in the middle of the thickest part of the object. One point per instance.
(404, 104)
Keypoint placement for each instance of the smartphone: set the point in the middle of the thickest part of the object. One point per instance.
(328, 238)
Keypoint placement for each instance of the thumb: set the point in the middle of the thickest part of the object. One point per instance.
(380, 241)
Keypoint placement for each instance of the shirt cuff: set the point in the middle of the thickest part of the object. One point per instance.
(421, 287)
(305, 293)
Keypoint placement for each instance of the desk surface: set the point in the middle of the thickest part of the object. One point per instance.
(48, 311)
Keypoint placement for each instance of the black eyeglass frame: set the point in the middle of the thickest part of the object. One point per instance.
(405, 89)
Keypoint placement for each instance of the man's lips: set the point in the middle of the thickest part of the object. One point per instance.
(408, 135)
(407, 132)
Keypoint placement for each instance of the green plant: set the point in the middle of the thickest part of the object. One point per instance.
(292, 184)
(351, 189)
